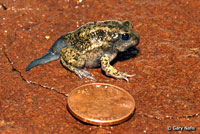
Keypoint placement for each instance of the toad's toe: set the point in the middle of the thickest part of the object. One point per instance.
(83, 73)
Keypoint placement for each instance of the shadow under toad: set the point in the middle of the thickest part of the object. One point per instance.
(128, 54)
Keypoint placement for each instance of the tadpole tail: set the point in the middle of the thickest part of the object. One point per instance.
(42, 60)
(51, 55)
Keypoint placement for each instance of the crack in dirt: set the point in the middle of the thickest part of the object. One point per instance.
(31, 82)
(66, 95)
(2, 6)
(171, 117)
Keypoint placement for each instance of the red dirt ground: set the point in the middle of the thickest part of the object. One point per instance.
(166, 87)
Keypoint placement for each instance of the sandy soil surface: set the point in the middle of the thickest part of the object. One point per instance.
(166, 87)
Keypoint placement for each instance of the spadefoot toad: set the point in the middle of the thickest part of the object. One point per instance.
(94, 44)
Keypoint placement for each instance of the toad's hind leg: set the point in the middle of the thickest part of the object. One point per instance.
(72, 60)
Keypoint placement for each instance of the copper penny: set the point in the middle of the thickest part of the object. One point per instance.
(101, 104)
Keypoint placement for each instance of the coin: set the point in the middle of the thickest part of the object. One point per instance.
(101, 104)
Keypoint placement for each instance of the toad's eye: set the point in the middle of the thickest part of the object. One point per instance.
(125, 37)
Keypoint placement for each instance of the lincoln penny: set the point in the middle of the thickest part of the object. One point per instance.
(101, 104)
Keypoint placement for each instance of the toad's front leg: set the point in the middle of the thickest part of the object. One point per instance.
(112, 71)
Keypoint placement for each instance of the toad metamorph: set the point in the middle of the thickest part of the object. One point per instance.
(94, 44)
